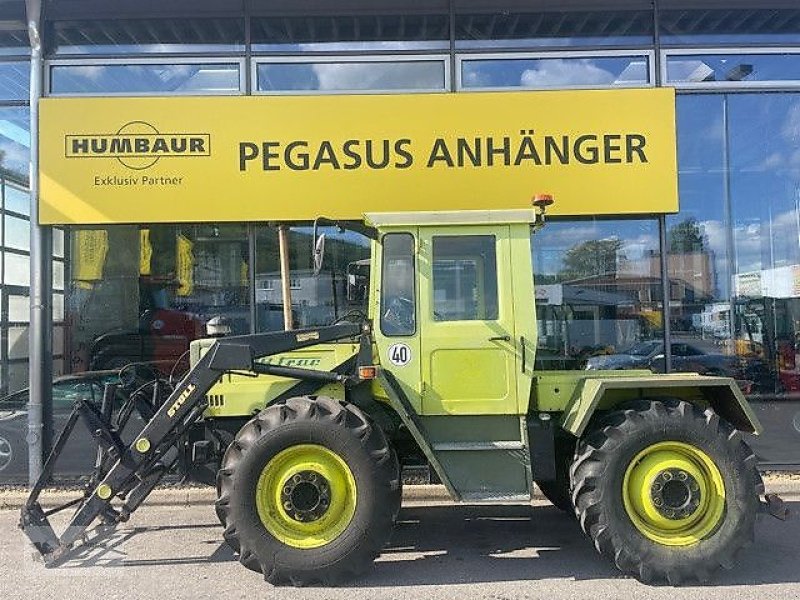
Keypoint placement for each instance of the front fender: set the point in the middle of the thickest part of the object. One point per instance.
(721, 394)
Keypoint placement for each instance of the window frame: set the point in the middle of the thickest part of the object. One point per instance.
(239, 61)
(460, 58)
(766, 85)
(492, 241)
(439, 57)
(414, 286)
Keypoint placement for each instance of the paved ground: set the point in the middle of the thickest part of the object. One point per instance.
(437, 551)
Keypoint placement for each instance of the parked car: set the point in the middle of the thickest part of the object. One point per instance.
(67, 389)
(685, 357)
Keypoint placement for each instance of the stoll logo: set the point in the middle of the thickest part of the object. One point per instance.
(137, 145)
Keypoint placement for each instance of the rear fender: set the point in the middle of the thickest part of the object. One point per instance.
(721, 394)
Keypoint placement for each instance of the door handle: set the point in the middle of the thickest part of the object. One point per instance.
(500, 338)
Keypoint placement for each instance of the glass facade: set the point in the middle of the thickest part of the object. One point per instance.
(554, 72)
(406, 75)
(141, 293)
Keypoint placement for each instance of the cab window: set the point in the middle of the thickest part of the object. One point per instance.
(398, 303)
(465, 278)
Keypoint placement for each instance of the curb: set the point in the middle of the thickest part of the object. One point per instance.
(191, 496)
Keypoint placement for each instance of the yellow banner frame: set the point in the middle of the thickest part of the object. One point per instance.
(293, 158)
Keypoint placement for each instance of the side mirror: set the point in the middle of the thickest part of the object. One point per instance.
(319, 253)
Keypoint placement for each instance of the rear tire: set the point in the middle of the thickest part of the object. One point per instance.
(620, 479)
(349, 481)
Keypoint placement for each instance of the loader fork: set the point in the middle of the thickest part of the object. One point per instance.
(128, 473)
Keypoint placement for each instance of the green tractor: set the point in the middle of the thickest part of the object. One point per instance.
(306, 433)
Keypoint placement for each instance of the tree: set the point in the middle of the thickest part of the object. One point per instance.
(590, 258)
(686, 237)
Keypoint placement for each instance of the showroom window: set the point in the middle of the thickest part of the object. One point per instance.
(143, 293)
(734, 251)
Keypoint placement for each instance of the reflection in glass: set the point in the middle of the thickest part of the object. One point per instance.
(124, 36)
(697, 237)
(398, 297)
(351, 76)
(58, 275)
(214, 78)
(15, 149)
(344, 33)
(464, 278)
(58, 315)
(764, 134)
(14, 41)
(738, 276)
(19, 309)
(598, 293)
(18, 342)
(706, 68)
(142, 294)
(570, 28)
(730, 26)
(15, 80)
(16, 198)
(339, 289)
(58, 242)
(17, 233)
(16, 269)
(554, 72)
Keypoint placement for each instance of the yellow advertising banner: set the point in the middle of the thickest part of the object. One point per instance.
(293, 158)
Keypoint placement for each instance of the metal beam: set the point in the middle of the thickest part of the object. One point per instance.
(286, 287)
(40, 357)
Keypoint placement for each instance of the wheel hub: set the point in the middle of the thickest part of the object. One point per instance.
(675, 494)
(306, 496)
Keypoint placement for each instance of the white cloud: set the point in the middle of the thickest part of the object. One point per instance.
(93, 73)
(379, 75)
(559, 72)
(791, 125)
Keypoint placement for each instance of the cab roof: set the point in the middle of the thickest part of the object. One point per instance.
(449, 217)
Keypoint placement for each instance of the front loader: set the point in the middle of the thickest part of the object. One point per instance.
(305, 433)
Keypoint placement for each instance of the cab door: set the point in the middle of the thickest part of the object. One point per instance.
(468, 352)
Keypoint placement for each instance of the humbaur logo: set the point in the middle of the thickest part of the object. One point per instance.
(137, 145)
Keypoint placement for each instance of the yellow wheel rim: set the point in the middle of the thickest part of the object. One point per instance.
(674, 494)
(306, 496)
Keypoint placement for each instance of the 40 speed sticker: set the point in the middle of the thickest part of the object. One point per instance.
(399, 355)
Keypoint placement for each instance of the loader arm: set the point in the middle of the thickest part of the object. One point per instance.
(136, 469)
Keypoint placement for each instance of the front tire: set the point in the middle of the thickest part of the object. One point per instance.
(666, 490)
(307, 491)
